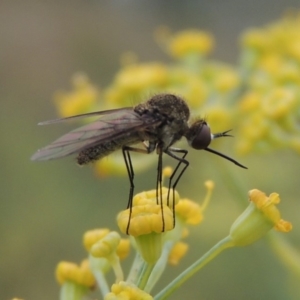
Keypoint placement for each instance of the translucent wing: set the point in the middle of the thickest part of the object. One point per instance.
(90, 114)
(110, 126)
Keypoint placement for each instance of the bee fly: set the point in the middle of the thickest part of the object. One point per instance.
(158, 123)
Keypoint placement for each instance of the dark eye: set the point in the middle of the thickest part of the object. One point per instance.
(200, 136)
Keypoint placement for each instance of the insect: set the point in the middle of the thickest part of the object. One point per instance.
(157, 123)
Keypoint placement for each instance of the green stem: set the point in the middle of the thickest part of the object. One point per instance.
(102, 283)
(195, 267)
(136, 269)
(72, 291)
(146, 271)
(159, 266)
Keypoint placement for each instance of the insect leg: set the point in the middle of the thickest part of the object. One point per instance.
(181, 160)
(159, 186)
(127, 159)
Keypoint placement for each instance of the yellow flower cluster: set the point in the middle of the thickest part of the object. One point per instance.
(126, 291)
(269, 109)
(147, 220)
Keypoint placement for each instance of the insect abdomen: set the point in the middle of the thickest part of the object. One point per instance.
(99, 151)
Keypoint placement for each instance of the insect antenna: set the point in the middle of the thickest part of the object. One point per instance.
(225, 156)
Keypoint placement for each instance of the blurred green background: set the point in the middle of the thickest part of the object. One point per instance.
(46, 207)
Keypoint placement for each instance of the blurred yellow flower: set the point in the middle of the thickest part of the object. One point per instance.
(126, 291)
(189, 211)
(81, 100)
(191, 41)
(68, 271)
(123, 248)
(178, 251)
(92, 236)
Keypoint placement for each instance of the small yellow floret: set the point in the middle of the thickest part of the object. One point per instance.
(146, 219)
(92, 236)
(189, 211)
(126, 291)
(123, 248)
(270, 211)
(82, 275)
(106, 246)
(177, 252)
(150, 197)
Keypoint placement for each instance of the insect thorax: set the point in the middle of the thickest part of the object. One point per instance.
(173, 114)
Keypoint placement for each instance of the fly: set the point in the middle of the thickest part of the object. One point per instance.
(157, 123)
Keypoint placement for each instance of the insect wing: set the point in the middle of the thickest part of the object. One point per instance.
(109, 127)
(90, 114)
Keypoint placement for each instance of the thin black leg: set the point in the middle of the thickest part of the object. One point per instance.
(159, 187)
(181, 160)
(128, 163)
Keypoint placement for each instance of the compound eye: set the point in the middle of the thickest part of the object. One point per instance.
(202, 137)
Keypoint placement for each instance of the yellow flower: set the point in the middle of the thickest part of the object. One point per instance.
(137, 77)
(191, 41)
(107, 246)
(149, 197)
(270, 211)
(258, 219)
(189, 211)
(82, 275)
(81, 100)
(93, 236)
(219, 117)
(126, 291)
(123, 248)
(279, 103)
(177, 252)
(146, 219)
(256, 39)
(226, 80)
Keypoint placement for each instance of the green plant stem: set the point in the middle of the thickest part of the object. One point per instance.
(195, 267)
(159, 266)
(102, 283)
(136, 269)
(72, 291)
(146, 271)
